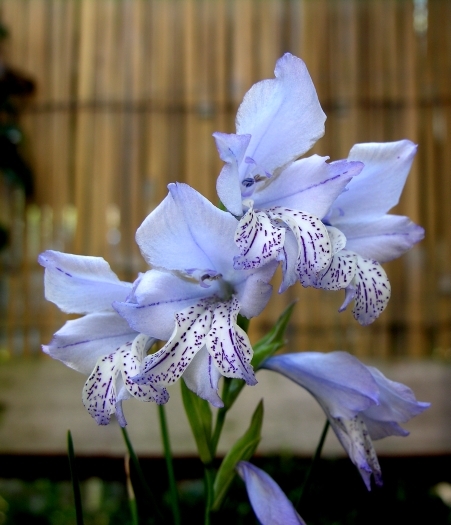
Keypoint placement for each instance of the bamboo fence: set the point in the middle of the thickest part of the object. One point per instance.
(129, 93)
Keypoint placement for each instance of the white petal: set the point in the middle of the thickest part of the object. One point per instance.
(168, 364)
(314, 249)
(228, 344)
(283, 116)
(339, 273)
(80, 343)
(79, 284)
(131, 358)
(258, 239)
(372, 291)
(99, 392)
(202, 377)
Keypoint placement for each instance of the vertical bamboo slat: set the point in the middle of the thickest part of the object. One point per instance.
(130, 91)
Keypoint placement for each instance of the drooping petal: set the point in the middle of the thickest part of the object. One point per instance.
(99, 392)
(309, 184)
(340, 271)
(355, 439)
(168, 364)
(270, 504)
(314, 249)
(228, 344)
(81, 284)
(387, 165)
(341, 383)
(372, 291)
(188, 231)
(345, 389)
(382, 239)
(109, 383)
(132, 356)
(81, 342)
(282, 115)
(258, 240)
(202, 377)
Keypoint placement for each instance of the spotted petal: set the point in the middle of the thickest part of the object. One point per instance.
(168, 364)
(228, 344)
(314, 248)
(371, 290)
(356, 440)
(112, 375)
(258, 239)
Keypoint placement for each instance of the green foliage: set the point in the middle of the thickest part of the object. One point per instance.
(199, 416)
(243, 449)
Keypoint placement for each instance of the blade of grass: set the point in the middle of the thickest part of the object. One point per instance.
(75, 482)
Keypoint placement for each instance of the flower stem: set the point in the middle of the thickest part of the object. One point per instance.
(137, 468)
(169, 465)
(220, 417)
(209, 478)
(308, 478)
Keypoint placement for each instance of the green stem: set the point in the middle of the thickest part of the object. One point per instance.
(169, 465)
(75, 482)
(220, 416)
(308, 477)
(130, 492)
(209, 492)
(140, 474)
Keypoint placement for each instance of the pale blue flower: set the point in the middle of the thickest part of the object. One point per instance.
(270, 504)
(101, 343)
(359, 401)
(372, 235)
(192, 295)
(282, 198)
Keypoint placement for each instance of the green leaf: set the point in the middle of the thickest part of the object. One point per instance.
(198, 412)
(243, 449)
(274, 340)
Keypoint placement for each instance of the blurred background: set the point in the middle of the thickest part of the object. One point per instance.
(104, 102)
(127, 94)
